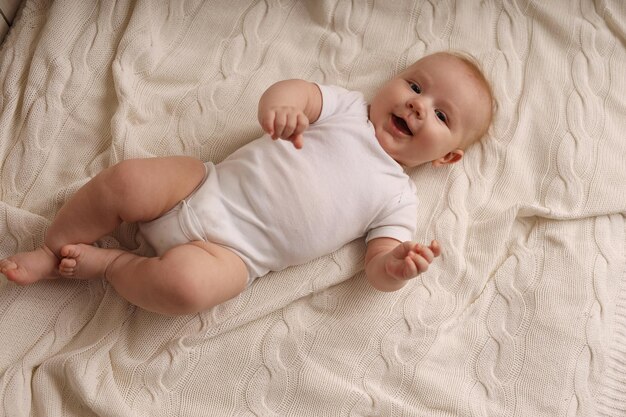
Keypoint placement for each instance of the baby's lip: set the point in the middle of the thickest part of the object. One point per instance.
(401, 124)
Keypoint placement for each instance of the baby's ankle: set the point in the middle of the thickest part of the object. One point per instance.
(108, 270)
(51, 253)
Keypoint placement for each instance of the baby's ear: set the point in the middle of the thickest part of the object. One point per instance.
(449, 158)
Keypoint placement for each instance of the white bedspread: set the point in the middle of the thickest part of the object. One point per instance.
(523, 315)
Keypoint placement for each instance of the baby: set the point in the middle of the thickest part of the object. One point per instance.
(268, 206)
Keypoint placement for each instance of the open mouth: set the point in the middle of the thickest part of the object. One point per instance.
(401, 125)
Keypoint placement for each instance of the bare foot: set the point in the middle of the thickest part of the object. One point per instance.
(86, 261)
(28, 267)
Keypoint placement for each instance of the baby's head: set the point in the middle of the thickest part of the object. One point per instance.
(433, 110)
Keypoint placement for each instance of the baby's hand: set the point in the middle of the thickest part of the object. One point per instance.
(410, 259)
(285, 122)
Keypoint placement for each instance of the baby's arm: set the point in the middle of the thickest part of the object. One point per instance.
(389, 264)
(288, 107)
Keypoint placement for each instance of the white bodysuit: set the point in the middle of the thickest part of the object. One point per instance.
(277, 206)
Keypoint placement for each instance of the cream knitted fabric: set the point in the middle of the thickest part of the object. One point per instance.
(523, 315)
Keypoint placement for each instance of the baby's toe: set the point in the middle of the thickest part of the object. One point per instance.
(7, 264)
(70, 251)
(67, 266)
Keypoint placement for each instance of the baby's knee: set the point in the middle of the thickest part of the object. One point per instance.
(202, 280)
(129, 185)
(188, 295)
(121, 179)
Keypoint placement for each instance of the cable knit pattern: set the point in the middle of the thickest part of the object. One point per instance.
(523, 315)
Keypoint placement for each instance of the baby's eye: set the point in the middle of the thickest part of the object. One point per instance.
(415, 88)
(442, 116)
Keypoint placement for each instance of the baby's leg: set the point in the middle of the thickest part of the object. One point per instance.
(187, 279)
(131, 191)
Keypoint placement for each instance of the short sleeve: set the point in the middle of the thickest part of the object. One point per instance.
(338, 100)
(398, 219)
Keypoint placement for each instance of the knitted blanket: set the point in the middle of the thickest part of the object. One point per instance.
(524, 314)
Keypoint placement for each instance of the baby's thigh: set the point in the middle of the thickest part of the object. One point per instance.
(148, 188)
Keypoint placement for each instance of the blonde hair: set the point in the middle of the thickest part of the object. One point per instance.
(476, 69)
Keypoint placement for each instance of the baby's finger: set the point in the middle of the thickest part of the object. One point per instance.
(425, 251)
(410, 268)
(302, 124)
(298, 142)
(435, 248)
(421, 264)
(280, 121)
(291, 122)
(267, 122)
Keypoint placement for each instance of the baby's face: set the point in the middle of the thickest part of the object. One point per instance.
(428, 112)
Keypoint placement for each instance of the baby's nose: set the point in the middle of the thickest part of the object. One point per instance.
(417, 106)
